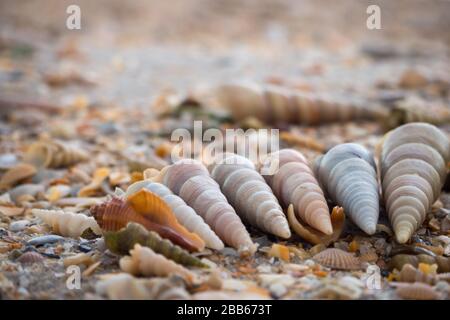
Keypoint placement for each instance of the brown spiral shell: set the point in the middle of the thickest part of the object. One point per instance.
(149, 210)
(411, 274)
(54, 154)
(413, 169)
(337, 259)
(294, 183)
(275, 104)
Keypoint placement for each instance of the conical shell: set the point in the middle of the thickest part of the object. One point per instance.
(149, 210)
(185, 214)
(67, 224)
(294, 182)
(191, 181)
(249, 194)
(413, 170)
(348, 174)
(417, 291)
(337, 259)
(144, 261)
(275, 104)
(54, 154)
(123, 241)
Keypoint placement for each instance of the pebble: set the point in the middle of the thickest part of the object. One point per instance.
(18, 225)
(39, 241)
(227, 251)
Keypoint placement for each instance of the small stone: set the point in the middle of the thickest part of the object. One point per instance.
(227, 251)
(39, 241)
(18, 225)
(278, 290)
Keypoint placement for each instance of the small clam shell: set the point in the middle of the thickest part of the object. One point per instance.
(337, 259)
(16, 174)
(417, 291)
(30, 257)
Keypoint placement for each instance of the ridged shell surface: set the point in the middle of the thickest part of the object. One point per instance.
(337, 259)
(348, 174)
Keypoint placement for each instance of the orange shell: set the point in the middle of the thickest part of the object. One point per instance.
(337, 259)
(149, 210)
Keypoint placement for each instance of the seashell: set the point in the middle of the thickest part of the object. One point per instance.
(67, 224)
(100, 175)
(185, 214)
(57, 192)
(30, 257)
(16, 174)
(78, 259)
(26, 189)
(54, 154)
(413, 161)
(294, 183)
(41, 240)
(249, 194)
(191, 181)
(337, 259)
(417, 291)
(230, 295)
(123, 241)
(316, 237)
(149, 210)
(144, 261)
(443, 264)
(410, 274)
(275, 104)
(348, 174)
(124, 286)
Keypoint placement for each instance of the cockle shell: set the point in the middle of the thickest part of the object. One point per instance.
(144, 261)
(149, 210)
(348, 173)
(294, 183)
(337, 259)
(30, 257)
(417, 291)
(191, 181)
(185, 214)
(249, 194)
(123, 241)
(410, 274)
(413, 161)
(312, 235)
(67, 224)
(54, 154)
(16, 174)
(275, 104)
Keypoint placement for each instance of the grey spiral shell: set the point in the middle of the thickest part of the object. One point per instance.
(249, 194)
(413, 162)
(348, 174)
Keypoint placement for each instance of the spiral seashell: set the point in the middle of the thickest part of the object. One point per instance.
(30, 257)
(185, 214)
(294, 183)
(413, 161)
(124, 286)
(411, 274)
(67, 224)
(149, 210)
(417, 291)
(348, 173)
(399, 260)
(144, 261)
(272, 104)
(54, 154)
(123, 241)
(191, 181)
(249, 194)
(337, 259)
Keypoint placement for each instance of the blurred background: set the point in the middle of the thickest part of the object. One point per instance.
(127, 52)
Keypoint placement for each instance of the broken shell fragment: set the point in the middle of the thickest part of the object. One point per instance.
(54, 154)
